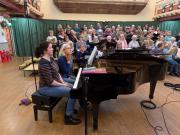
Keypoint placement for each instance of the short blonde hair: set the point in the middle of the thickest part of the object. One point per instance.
(63, 47)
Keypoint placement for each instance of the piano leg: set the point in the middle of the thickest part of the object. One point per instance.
(152, 89)
(95, 115)
(146, 103)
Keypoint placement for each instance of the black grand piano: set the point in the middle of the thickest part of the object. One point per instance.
(121, 73)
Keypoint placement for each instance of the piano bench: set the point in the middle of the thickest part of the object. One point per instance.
(44, 103)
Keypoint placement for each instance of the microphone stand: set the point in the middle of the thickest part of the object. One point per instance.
(26, 15)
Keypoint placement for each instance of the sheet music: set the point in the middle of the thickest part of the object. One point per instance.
(92, 56)
(77, 79)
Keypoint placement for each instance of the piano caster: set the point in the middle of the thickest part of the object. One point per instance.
(148, 104)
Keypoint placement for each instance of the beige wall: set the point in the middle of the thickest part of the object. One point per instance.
(52, 12)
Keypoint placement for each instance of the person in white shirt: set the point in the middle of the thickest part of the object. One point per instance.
(90, 35)
(53, 40)
(133, 43)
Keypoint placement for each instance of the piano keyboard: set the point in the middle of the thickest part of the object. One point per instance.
(77, 79)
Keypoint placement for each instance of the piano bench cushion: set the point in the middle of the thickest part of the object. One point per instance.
(45, 103)
(39, 99)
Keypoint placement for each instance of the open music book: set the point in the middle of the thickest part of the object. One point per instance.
(95, 71)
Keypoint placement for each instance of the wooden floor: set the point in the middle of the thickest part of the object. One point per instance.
(117, 117)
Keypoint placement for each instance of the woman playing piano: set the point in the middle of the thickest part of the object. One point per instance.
(51, 82)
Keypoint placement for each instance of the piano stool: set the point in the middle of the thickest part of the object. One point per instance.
(44, 103)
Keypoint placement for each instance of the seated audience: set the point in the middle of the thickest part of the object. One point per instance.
(173, 41)
(71, 35)
(155, 34)
(123, 41)
(67, 41)
(61, 37)
(107, 45)
(107, 32)
(79, 42)
(160, 40)
(148, 42)
(168, 36)
(134, 43)
(177, 55)
(90, 35)
(91, 45)
(158, 49)
(80, 56)
(84, 33)
(173, 64)
(129, 35)
(118, 45)
(178, 39)
(77, 28)
(53, 40)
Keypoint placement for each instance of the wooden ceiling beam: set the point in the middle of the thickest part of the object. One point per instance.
(101, 6)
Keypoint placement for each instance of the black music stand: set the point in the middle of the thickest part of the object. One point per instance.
(26, 15)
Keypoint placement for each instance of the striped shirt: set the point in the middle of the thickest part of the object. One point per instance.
(48, 71)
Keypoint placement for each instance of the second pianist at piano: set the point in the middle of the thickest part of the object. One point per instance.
(51, 82)
(65, 64)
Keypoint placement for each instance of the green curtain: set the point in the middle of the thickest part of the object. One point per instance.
(174, 26)
(29, 33)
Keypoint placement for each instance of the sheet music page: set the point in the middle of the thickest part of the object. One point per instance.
(95, 71)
